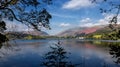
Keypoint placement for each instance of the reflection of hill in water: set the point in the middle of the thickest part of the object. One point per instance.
(112, 48)
(85, 53)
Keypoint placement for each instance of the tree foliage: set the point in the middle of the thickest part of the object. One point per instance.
(115, 52)
(29, 12)
(112, 7)
(57, 57)
(2, 26)
(3, 38)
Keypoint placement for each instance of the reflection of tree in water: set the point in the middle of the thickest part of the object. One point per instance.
(57, 57)
(115, 51)
(7, 48)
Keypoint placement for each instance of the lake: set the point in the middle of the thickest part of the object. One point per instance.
(76, 53)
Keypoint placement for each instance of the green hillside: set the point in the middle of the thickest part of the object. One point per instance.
(104, 33)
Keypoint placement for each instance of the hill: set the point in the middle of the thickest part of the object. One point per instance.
(71, 32)
(37, 33)
(80, 30)
(105, 33)
(23, 34)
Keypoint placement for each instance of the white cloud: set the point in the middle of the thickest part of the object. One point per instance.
(63, 16)
(16, 26)
(77, 4)
(87, 22)
(86, 25)
(64, 24)
(108, 17)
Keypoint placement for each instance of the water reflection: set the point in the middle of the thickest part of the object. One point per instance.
(57, 57)
(115, 51)
(8, 48)
(71, 53)
(1, 45)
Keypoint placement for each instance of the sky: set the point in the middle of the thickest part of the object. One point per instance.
(68, 14)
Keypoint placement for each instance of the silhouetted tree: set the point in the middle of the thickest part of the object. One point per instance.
(115, 51)
(57, 57)
(113, 7)
(2, 26)
(3, 38)
(28, 12)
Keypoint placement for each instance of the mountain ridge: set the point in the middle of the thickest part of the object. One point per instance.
(80, 30)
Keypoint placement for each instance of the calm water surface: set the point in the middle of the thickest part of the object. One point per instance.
(30, 53)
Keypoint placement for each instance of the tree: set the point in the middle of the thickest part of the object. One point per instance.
(113, 7)
(21, 10)
(57, 57)
(2, 26)
(28, 12)
(3, 38)
(115, 51)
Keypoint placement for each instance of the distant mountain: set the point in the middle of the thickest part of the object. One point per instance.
(37, 33)
(80, 30)
(71, 32)
(90, 30)
(22, 34)
(105, 30)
